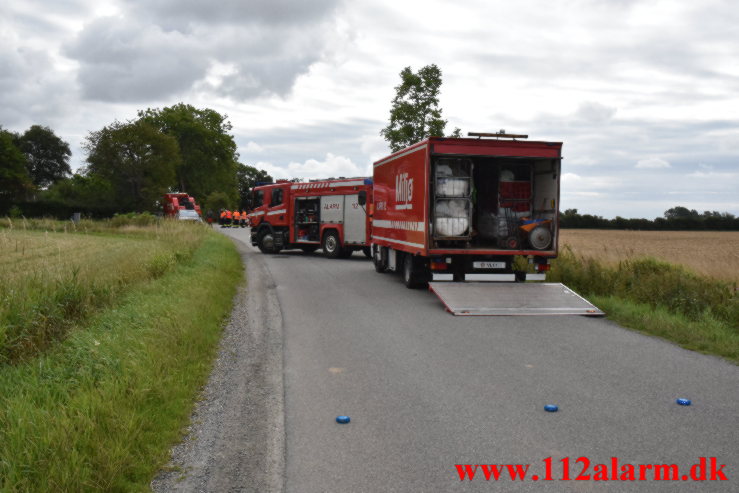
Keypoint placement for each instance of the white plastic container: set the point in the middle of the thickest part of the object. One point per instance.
(452, 217)
(451, 226)
(452, 187)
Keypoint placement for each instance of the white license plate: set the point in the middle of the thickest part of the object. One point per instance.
(488, 265)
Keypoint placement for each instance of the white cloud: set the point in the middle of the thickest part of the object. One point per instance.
(252, 148)
(117, 62)
(578, 183)
(374, 146)
(583, 161)
(652, 163)
(182, 14)
(595, 113)
(712, 175)
(331, 167)
(159, 49)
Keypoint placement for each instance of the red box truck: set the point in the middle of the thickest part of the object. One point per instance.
(461, 209)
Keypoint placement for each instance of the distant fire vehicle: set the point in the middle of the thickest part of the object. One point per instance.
(176, 202)
(331, 214)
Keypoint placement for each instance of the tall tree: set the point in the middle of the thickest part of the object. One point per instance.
(248, 177)
(47, 156)
(217, 201)
(209, 158)
(137, 159)
(415, 112)
(14, 180)
(680, 211)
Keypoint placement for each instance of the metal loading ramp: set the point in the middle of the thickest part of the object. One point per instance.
(490, 298)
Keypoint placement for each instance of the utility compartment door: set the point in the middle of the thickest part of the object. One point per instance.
(332, 209)
(355, 221)
(480, 298)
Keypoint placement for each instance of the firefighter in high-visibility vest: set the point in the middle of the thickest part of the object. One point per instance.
(222, 218)
(237, 218)
(243, 219)
(229, 218)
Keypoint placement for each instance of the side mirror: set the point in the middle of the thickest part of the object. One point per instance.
(362, 198)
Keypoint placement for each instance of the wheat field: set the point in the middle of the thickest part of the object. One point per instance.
(710, 253)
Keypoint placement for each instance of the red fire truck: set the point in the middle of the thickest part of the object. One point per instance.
(175, 202)
(330, 214)
(461, 209)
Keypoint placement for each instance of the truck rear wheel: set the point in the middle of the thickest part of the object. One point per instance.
(331, 245)
(414, 275)
(379, 259)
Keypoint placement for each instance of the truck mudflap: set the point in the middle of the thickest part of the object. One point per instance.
(482, 298)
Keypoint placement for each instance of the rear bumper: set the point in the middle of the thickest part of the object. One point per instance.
(502, 253)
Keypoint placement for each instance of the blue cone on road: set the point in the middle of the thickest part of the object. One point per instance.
(683, 402)
(343, 419)
(551, 408)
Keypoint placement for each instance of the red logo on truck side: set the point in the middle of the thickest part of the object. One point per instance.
(403, 191)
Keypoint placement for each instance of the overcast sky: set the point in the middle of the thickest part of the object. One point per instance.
(644, 94)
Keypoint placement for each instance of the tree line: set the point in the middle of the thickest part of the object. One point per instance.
(131, 164)
(128, 167)
(675, 218)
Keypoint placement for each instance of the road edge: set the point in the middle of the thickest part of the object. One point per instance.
(236, 439)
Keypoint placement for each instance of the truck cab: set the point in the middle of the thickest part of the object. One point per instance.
(268, 219)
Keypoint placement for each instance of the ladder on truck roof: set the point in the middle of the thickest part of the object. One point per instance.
(498, 298)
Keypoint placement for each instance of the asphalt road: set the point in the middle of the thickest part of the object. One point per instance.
(426, 390)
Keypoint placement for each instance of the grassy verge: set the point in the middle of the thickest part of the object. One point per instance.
(100, 410)
(132, 222)
(658, 298)
(53, 279)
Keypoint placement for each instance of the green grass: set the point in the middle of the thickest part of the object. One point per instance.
(54, 279)
(660, 299)
(706, 334)
(101, 409)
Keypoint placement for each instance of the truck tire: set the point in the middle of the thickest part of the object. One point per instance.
(379, 259)
(414, 275)
(331, 245)
(309, 248)
(266, 242)
(261, 243)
